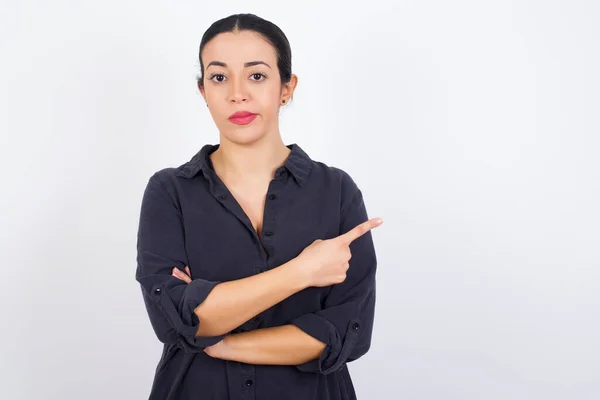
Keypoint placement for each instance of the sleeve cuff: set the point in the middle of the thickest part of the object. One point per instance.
(186, 323)
(337, 347)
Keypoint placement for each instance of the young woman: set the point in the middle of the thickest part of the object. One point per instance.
(256, 263)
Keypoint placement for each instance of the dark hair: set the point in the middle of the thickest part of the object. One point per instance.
(250, 22)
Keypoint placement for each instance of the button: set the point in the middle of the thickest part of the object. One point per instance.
(355, 326)
(268, 233)
(157, 290)
(222, 197)
(272, 196)
(249, 382)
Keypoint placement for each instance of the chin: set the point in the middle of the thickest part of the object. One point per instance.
(244, 135)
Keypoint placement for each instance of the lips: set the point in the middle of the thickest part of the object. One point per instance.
(241, 114)
(242, 117)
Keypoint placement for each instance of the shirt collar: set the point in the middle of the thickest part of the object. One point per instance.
(298, 163)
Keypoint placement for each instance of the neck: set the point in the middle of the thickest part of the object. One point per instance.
(254, 161)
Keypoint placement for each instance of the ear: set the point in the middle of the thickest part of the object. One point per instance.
(201, 89)
(287, 90)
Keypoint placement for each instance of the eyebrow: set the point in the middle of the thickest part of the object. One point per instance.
(246, 65)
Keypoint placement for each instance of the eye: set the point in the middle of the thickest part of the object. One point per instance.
(259, 75)
(217, 75)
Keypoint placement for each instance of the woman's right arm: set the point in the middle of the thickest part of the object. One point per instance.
(232, 303)
(323, 263)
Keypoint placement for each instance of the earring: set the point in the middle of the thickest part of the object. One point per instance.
(282, 101)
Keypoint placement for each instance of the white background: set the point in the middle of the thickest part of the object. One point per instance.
(477, 121)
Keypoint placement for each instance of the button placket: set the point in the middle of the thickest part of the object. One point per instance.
(270, 213)
(241, 379)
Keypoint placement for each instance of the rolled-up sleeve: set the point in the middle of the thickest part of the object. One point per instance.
(169, 301)
(345, 323)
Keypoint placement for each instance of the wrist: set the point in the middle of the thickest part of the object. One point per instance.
(226, 347)
(301, 275)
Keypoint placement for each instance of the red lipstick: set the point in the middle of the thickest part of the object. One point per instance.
(242, 117)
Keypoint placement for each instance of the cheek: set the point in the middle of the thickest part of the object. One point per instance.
(269, 105)
(219, 111)
(268, 96)
(269, 112)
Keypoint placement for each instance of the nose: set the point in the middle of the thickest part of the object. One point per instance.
(237, 90)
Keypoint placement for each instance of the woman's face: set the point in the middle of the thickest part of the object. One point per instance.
(241, 74)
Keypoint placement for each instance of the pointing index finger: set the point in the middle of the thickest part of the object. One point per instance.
(360, 230)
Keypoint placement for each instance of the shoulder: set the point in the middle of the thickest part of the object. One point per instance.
(336, 179)
(333, 175)
(171, 176)
(163, 183)
(164, 177)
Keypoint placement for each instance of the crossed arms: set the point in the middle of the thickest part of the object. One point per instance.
(199, 315)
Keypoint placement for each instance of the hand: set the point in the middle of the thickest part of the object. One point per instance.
(220, 350)
(177, 273)
(328, 260)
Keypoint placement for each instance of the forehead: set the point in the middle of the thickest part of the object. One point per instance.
(235, 49)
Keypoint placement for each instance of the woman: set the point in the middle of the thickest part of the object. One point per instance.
(256, 263)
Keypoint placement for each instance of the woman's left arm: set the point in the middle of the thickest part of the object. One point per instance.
(280, 345)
